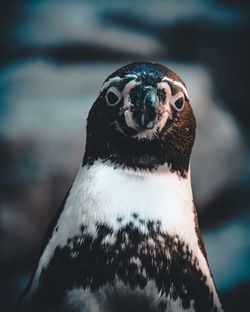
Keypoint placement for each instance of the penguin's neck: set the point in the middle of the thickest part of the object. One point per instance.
(137, 153)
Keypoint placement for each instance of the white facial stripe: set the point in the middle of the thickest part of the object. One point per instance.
(116, 79)
(109, 82)
(165, 86)
(177, 83)
(177, 96)
(129, 120)
(131, 76)
(130, 85)
(127, 103)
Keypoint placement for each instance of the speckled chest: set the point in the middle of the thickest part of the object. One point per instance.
(138, 262)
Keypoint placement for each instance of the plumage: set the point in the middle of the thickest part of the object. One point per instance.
(127, 237)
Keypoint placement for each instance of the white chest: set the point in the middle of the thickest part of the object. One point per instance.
(104, 194)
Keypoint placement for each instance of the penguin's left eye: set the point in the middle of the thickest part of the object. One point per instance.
(179, 103)
(113, 96)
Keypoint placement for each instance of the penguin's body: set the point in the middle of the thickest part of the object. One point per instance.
(127, 238)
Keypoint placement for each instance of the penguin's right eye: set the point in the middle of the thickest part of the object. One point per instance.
(113, 96)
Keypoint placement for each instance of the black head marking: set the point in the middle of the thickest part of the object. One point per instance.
(110, 138)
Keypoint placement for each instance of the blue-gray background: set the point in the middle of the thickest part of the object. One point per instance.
(54, 56)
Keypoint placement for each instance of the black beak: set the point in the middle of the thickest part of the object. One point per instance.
(144, 101)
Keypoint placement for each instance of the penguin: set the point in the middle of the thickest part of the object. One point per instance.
(126, 237)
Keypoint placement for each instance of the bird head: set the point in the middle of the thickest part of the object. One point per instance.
(144, 106)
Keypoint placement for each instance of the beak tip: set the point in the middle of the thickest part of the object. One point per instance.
(150, 125)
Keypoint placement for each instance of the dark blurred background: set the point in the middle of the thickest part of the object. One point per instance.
(54, 56)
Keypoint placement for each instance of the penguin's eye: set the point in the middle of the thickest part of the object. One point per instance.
(179, 103)
(113, 96)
